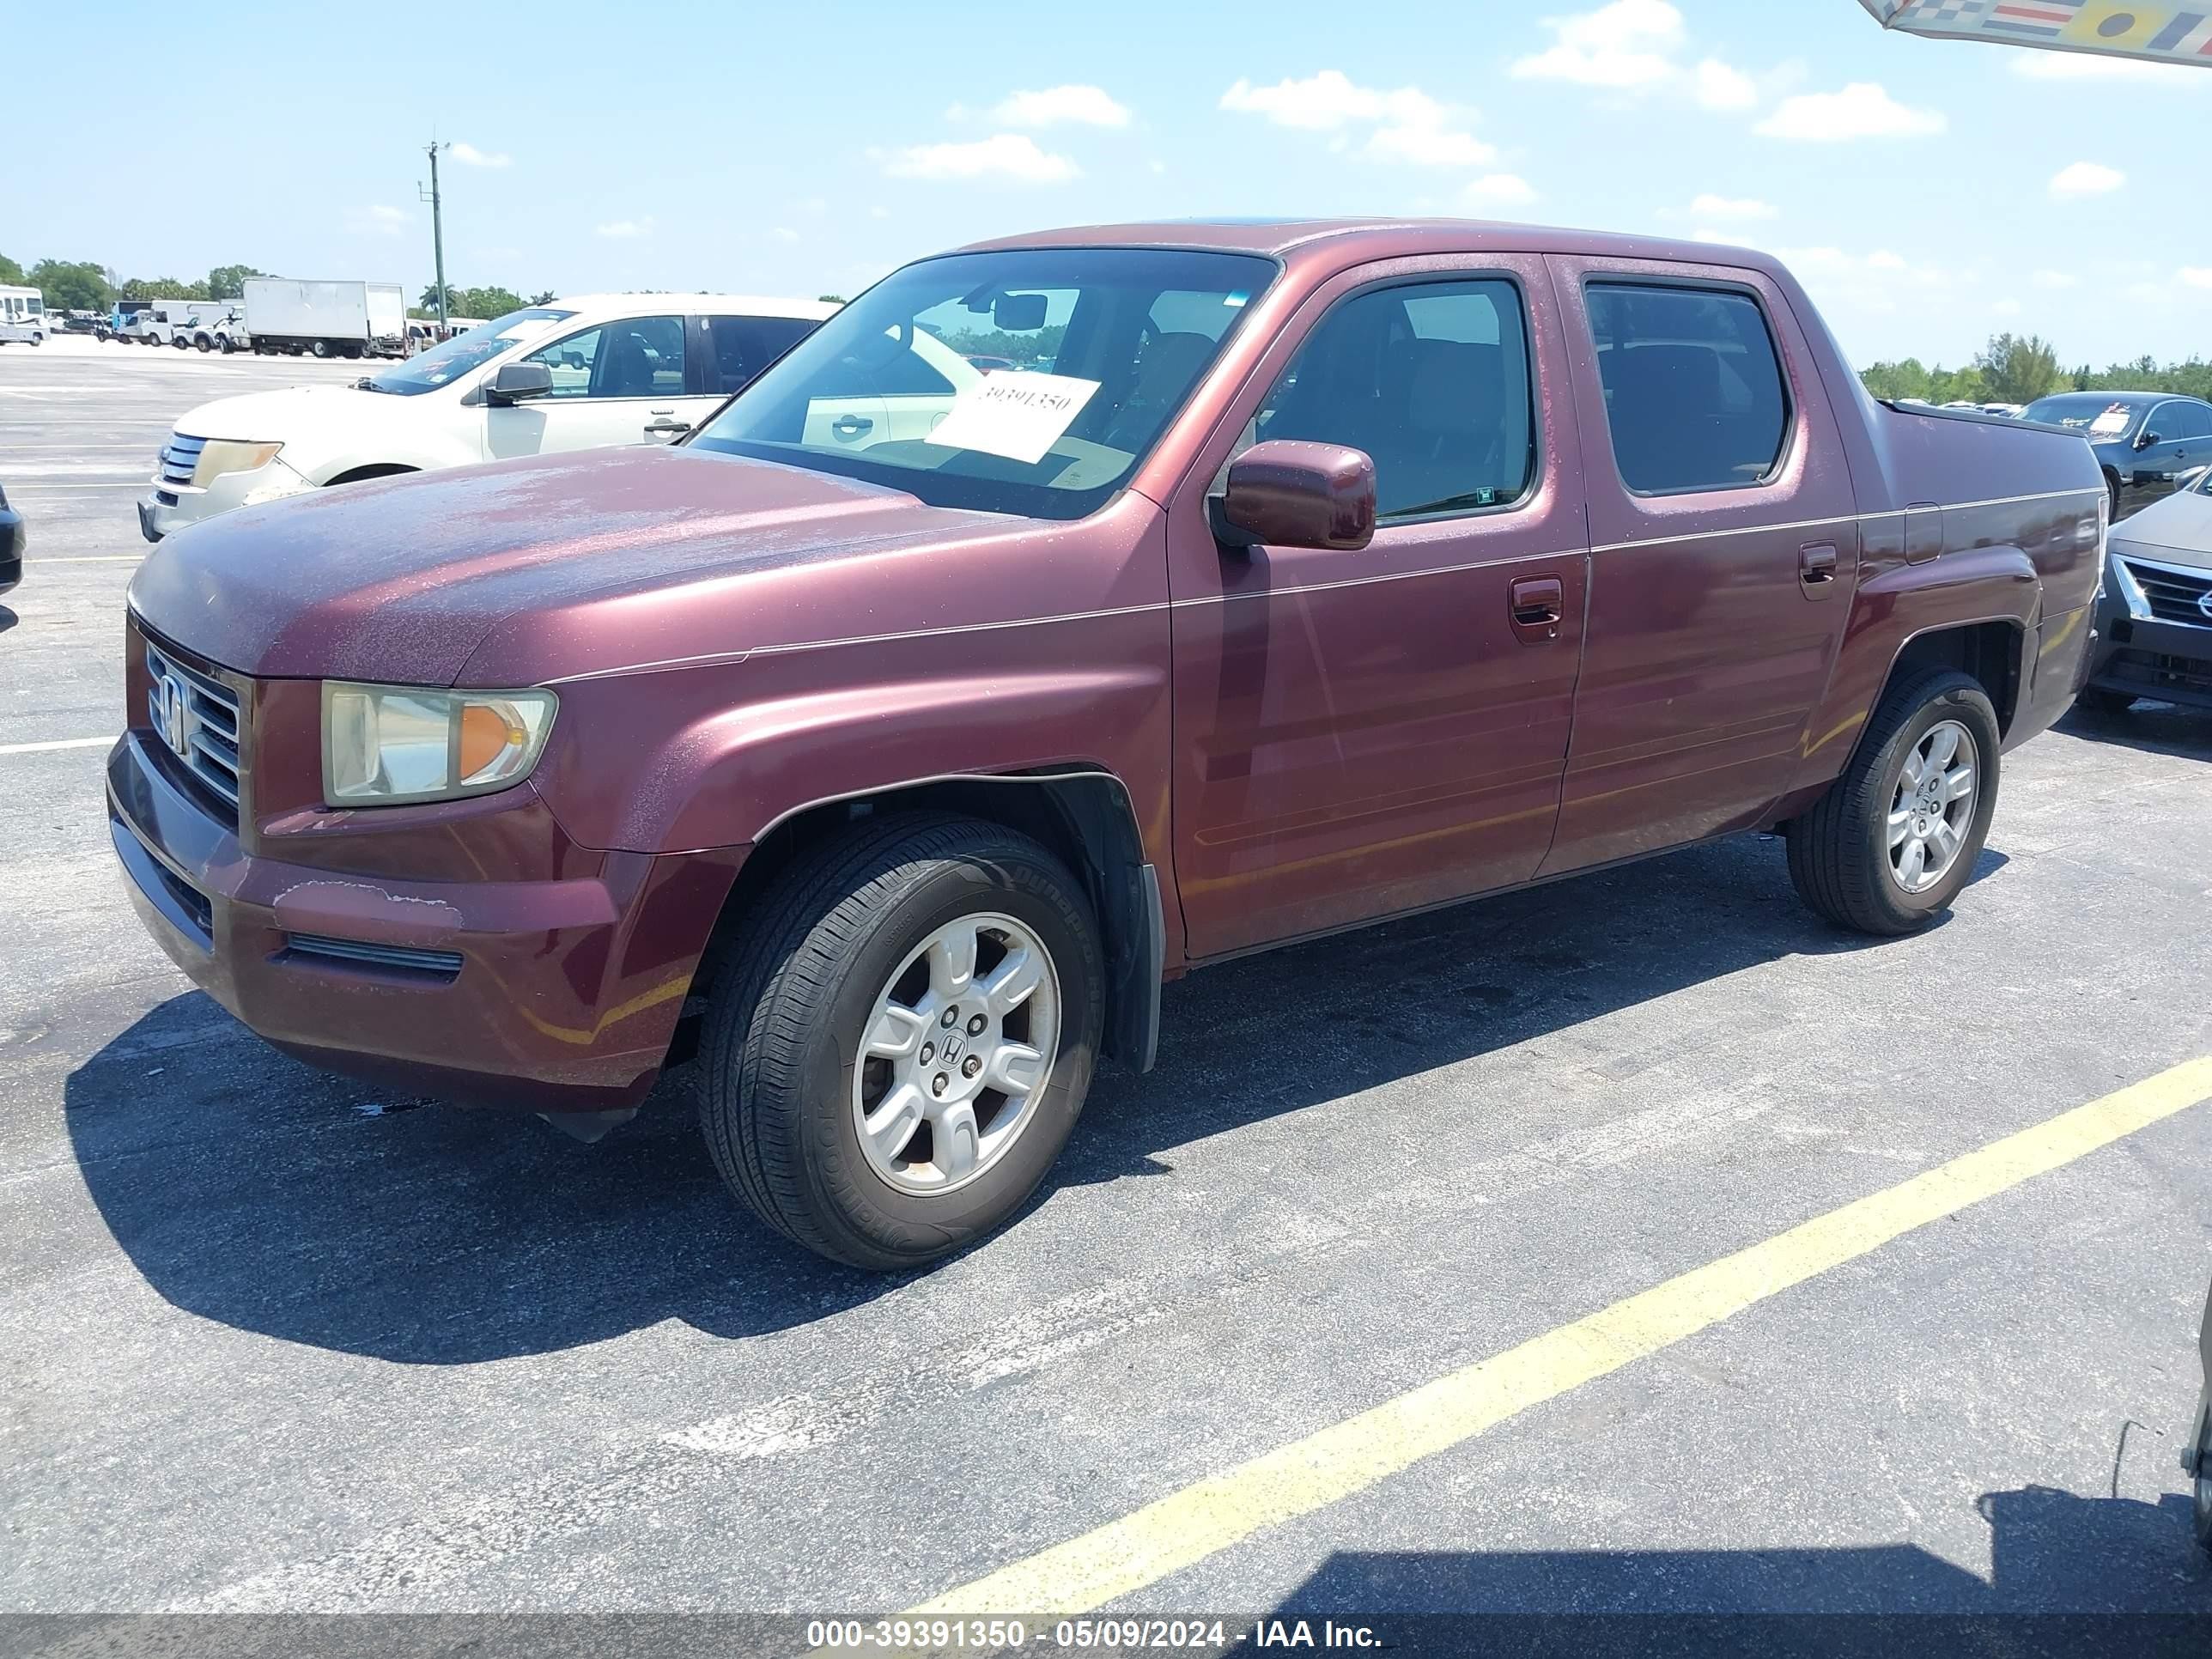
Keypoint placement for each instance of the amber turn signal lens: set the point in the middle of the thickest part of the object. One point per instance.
(486, 734)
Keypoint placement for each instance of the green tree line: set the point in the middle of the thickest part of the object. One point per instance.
(2018, 369)
(85, 285)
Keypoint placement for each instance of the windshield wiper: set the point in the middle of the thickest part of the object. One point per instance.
(365, 384)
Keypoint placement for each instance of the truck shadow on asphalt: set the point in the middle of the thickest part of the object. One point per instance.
(260, 1193)
(2067, 1574)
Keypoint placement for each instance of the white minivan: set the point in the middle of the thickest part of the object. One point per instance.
(577, 373)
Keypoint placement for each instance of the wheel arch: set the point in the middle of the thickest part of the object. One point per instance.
(1086, 816)
(372, 469)
(1993, 652)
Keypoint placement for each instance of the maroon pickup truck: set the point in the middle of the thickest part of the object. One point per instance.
(887, 744)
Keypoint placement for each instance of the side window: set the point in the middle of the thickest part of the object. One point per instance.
(571, 361)
(636, 357)
(1431, 380)
(746, 345)
(1692, 388)
(2178, 420)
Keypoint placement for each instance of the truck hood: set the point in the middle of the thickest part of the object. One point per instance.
(2175, 530)
(592, 555)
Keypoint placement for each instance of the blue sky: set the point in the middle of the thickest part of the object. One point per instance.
(1928, 193)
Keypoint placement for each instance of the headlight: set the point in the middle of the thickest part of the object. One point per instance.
(387, 744)
(222, 455)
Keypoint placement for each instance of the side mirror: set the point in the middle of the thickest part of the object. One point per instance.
(2148, 440)
(512, 382)
(1292, 493)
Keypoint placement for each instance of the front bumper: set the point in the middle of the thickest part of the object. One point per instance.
(168, 507)
(2152, 657)
(552, 995)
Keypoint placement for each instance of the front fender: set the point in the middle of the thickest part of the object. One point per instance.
(731, 750)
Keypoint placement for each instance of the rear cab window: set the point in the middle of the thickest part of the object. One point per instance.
(1694, 394)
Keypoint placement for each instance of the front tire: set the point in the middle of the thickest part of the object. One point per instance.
(900, 1048)
(321, 348)
(1896, 838)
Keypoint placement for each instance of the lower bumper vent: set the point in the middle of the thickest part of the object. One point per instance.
(441, 965)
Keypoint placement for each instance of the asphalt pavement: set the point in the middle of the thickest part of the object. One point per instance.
(271, 1341)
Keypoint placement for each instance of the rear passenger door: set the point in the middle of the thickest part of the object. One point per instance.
(1724, 548)
(1358, 734)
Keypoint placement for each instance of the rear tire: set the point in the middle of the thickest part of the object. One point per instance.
(1847, 857)
(320, 348)
(204, 343)
(797, 1069)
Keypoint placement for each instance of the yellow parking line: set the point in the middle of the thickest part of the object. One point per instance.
(1309, 1475)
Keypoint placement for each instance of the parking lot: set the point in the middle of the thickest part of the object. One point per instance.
(275, 1340)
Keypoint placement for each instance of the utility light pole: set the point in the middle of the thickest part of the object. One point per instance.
(437, 225)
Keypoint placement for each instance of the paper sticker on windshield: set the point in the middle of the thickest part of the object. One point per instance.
(2111, 423)
(1017, 415)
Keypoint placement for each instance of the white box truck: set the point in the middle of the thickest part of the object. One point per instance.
(328, 319)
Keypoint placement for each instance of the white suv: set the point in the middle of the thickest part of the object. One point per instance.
(576, 375)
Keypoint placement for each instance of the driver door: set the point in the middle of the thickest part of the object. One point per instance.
(613, 383)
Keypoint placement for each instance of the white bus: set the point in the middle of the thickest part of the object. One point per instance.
(23, 315)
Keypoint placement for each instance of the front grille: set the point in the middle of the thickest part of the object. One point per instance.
(178, 457)
(2175, 595)
(198, 717)
(406, 959)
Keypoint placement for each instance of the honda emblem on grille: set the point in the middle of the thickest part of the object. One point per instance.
(174, 709)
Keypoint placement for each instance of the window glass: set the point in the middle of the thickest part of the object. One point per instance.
(746, 345)
(1431, 381)
(637, 357)
(1693, 388)
(571, 360)
(2182, 421)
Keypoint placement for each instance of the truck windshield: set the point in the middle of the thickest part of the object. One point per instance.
(2097, 414)
(443, 364)
(1028, 382)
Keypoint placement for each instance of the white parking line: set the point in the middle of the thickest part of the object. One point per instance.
(93, 558)
(57, 742)
(125, 483)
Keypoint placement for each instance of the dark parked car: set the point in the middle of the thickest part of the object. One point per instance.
(889, 747)
(2144, 440)
(13, 538)
(2154, 627)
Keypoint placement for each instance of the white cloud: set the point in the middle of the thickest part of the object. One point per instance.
(1004, 155)
(622, 229)
(1721, 88)
(1325, 101)
(816, 205)
(1410, 126)
(1860, 110)
(376, 221)
(2055, 279)
(1497, 190)
(1709, 206)
(469, 155)
(1627, 44)
(2086, 178)
(2008, 308)
(1882, 259)
(784, 233)
(880, 211)
(2195, 276)
(1430, 147)
(1086, 107)
(2086, 66)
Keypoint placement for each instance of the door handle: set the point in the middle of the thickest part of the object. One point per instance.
(673, 430)
(1816, 569)
(852, 426)
(1536, 604)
